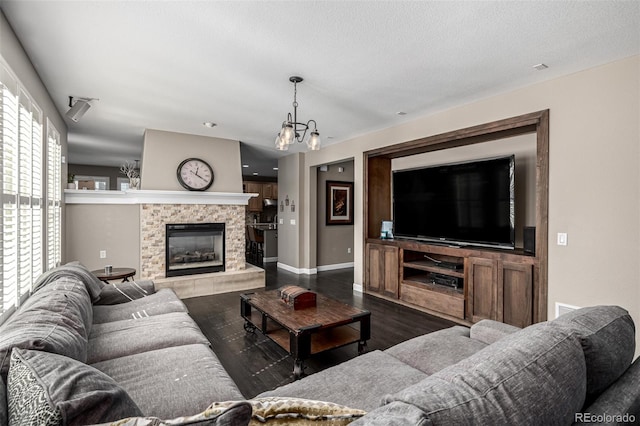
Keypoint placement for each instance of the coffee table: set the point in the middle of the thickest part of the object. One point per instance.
(305, 332)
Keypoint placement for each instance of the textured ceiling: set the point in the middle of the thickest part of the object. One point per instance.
(172, 65)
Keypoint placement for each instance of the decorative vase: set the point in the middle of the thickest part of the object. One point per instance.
(134, 183)
(71, 185)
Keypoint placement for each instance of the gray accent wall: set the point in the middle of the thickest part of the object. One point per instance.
(114, 228)
(334, 242)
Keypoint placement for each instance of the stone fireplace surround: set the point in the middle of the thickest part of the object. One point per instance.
(154, 218)
(157, 208)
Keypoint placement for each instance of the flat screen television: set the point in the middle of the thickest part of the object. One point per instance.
(470, 203)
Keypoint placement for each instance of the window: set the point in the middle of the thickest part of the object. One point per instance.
(54, 197)
(123, 184)
(22, 192)
(98, 183)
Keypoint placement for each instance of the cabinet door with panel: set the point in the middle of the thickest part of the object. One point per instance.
(255, 203)
(382, 275)
(270, 191)
(482, 291)
(515, 293)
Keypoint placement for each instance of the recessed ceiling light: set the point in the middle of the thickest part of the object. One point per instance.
(245, 166)
(209, 124)
(255, 173)
(401, 113)
(275, 168)
(540, 67)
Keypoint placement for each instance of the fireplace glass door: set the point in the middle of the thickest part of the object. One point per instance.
(196, 248)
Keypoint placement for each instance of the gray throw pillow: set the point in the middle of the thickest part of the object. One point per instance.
(49, 389)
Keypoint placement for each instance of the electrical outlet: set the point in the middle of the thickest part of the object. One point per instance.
(349, 250)
(292, 222)
(103, 254)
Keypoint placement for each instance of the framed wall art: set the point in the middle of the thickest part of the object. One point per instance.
(339, 203)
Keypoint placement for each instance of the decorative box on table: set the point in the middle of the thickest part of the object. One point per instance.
(297, 297)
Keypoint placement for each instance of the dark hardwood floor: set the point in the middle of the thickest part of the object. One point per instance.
(257, 364)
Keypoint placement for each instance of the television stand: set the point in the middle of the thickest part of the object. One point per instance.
(463, 284)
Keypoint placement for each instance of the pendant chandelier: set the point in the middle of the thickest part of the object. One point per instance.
(292, 130)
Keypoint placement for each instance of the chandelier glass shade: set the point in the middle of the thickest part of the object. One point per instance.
(294, 131)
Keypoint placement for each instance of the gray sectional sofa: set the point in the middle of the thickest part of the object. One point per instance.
(147, 354)
(150, 359)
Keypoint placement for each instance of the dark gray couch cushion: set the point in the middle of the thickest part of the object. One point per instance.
(161, 302)
(172, 382)
(536, 376)
(620, 399)
(359, 383)
(55, 319)
(74, 392)
(127, 337)
(607, 334)
(432, 352)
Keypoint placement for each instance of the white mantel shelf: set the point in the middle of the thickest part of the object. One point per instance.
(141, 196)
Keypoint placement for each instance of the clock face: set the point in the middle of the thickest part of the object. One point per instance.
(195, 174)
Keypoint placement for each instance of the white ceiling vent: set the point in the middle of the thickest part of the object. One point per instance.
(563, 308)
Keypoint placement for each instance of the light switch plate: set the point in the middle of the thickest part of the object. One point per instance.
(292, 222)
(562, 238)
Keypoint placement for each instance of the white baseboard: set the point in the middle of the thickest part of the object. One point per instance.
(358, 288)
(299, 271)
(335, 266)
(270, 259)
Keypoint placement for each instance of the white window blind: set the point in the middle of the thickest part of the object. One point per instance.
(9, 131)
(54, 197)
(21, 246)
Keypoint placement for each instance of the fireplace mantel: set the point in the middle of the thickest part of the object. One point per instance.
(142, 196)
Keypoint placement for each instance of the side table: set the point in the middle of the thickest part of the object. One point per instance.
(116, 274)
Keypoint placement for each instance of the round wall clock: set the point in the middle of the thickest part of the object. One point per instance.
(195, 174)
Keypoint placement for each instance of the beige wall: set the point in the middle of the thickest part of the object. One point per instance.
(334, 242)
(594, 179)
(290, 186)
(164, 151)
(95, 227)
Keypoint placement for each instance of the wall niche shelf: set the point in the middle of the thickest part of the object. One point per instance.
(462, 284)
